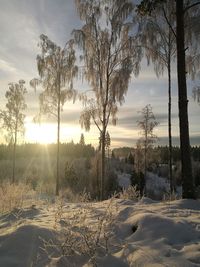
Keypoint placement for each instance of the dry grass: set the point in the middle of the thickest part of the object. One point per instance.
(130, 193)
(14, 196)
(167, 197)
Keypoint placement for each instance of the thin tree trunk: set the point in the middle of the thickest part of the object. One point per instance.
(58, 142)
(14, 157)
(102, 161)
(187, 177)
(169, 125)
(97, 176)
(146, 140)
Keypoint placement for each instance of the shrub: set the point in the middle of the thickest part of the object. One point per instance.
(14, 196)
(77, 237)
(130, 193)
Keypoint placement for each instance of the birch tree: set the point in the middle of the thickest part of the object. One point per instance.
(56, 68)
(147, 124)
(13, 116)
(109, 59)
(159, 43)
(184, 10)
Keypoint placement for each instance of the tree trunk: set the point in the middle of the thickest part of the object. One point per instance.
(97, 176)
(14, 157)
(146, 143)
(103, 133)
(187, 178)
(169, 125)
(58, 143)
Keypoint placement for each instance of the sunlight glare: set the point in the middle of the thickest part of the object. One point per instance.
(43, 134)
(46, 133)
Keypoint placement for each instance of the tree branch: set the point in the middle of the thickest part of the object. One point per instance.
(188, 7)
(168, 22)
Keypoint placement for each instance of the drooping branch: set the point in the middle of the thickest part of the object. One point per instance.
(190, 6)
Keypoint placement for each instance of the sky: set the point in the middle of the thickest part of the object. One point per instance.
(21, 24)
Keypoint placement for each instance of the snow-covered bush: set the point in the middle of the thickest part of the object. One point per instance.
(78, 237)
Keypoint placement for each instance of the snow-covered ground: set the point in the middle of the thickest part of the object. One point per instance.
(156, 186)
(156, 183)
(145, 233)
(124, 180)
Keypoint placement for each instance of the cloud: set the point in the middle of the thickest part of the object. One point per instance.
(22, 22)
(6, 67)
(163, 141)
(131, 121)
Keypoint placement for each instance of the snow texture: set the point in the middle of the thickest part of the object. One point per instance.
(144, 233)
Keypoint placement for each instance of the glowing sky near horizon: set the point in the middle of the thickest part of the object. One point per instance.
(22, 22)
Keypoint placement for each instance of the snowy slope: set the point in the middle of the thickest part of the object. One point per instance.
(144, 233)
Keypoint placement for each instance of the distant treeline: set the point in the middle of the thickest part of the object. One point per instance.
(72, 150)
(38, 150)
(161, 152)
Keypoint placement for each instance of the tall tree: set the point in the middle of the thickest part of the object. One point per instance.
(147, 125)
(13, 117)
(187, 177)
(56, 68)
(109, 59)
(159, 42)
(182, 13)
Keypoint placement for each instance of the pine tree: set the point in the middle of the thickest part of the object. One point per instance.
(82, 140)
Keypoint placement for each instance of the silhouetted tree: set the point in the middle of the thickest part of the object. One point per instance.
(109, 60)
(82, 140)
(56, 68)
(159, 42)
(187, 176)
(131, 159)
(13, 117)
(183, 9)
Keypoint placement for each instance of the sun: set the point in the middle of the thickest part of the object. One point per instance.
(46, 133)
(40, 133)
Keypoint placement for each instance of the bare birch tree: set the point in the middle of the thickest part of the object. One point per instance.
(159, 43)
(109, 59)
(184, 10)
(56, 68)
(147, 124)
(13, 117)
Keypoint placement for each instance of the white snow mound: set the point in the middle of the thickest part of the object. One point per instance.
(146, 233)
